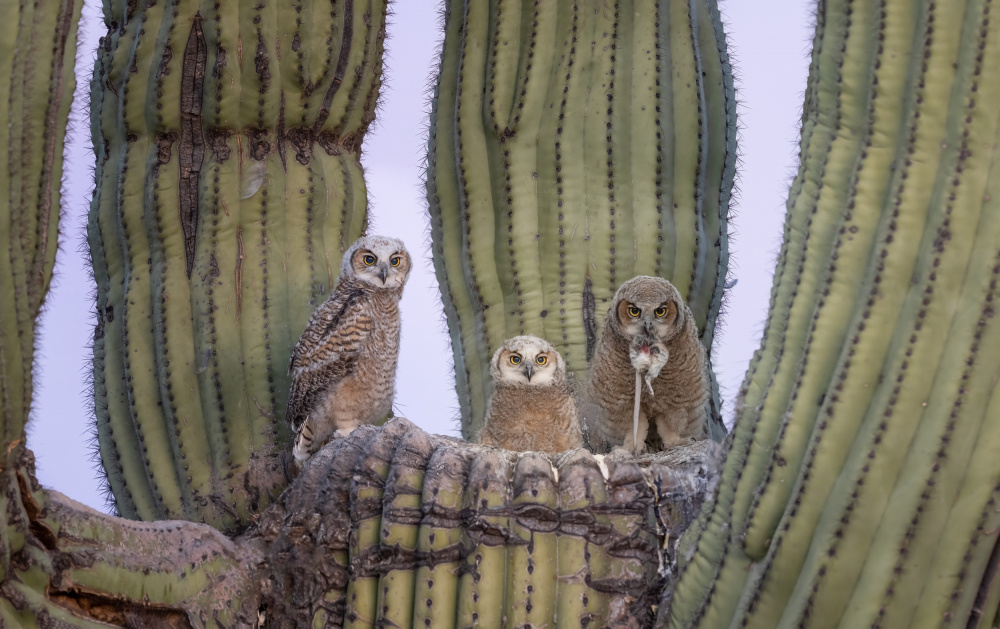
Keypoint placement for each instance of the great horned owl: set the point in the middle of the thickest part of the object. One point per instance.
(649, 330)
(531, 408)
(344, 366)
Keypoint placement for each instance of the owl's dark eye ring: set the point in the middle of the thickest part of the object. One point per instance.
(395, 260)
(515, 359)
(368, 259)
(541, 360)
(661, 311)
(634, 312)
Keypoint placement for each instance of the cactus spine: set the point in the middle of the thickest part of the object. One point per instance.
(574, 145)
(227, 138)
(856, 491)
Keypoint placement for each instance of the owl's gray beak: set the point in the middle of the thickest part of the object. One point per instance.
(647, 327)
(383, 272)
(529, 371)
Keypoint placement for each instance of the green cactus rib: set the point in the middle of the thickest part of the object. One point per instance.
(484, 537)
(229, 185)
(532, 565)
(856, 491)
(37, 54)
(401, 517)
(546, 186)
(582, 560)
(439, 541)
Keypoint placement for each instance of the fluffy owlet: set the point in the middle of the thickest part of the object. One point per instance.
(344, 366)
(531, 408)
(649, 330)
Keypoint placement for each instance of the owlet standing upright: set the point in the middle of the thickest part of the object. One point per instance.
(650, 330)
(344, 366)
(531, 408)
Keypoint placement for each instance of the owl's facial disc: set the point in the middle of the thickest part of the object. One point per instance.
(381, 269)
(527, 368)
(649, 320)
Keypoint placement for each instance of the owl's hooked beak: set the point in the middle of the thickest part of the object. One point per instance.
(383, 272)
(529, 371)
(647, 327)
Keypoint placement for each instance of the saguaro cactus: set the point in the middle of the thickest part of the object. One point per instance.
(227, 136)
(574, 145)
(37, 45)
(861, 485)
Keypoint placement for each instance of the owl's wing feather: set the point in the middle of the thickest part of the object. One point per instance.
(327, 351)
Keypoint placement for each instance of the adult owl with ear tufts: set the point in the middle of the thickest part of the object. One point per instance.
(344, 366)
(649, 341)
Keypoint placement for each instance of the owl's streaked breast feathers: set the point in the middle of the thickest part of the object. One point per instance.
(327, 350)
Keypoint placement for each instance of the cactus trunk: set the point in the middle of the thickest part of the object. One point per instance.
(574, 145)
(859, 489)
(228, 186)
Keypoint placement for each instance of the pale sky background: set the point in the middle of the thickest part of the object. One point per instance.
(769, 41)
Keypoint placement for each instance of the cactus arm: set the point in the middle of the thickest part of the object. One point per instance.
(562, 189)
(218, 148)
(855, 477)
(37, 57)
(850, 405)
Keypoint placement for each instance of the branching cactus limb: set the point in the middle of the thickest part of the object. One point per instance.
(227, 138)
(575, 145)
(857, 490)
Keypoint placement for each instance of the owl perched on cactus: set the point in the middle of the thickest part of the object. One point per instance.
(344, 366)
(649, 331)
(531, 408)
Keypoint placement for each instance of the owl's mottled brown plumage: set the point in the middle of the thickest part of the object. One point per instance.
(344, 366)
(649, 327)
(531, 408)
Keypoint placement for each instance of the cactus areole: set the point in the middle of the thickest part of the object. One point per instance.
(574, 145)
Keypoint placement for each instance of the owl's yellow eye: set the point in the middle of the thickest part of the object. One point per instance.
(369, 259)
(394, 260)
(541, 360)
(661, 311)
(633, 311)
(515, 359)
